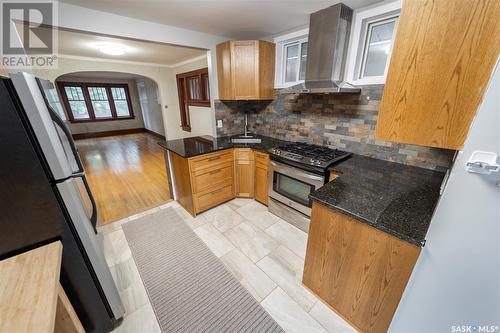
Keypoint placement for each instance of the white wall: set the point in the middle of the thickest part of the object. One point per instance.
(102, 126)
(457, 277)
(150, 105)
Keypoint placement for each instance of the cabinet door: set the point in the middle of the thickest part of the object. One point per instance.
(261, 184)
(245, 69)
(443, 56)
(225, 79)
(267, 56)
(244, 178)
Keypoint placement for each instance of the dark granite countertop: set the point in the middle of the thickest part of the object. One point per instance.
(199, 145)
(391, 197)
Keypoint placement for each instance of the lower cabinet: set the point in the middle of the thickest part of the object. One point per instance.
(261, 177)
(243, 173)
(208, 180)
(359, 271)
(203, 182)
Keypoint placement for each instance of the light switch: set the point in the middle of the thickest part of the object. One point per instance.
(219, 123)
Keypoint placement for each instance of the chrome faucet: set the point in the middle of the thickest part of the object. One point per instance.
(246, 126)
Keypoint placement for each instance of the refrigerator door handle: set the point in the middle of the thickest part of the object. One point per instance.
(59, 122)
(93, 217)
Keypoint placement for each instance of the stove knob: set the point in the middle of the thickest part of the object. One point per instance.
(313, 160)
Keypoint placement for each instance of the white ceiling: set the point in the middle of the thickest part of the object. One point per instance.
(231, 18)
(84, 45)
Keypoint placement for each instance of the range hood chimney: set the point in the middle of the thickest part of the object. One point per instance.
(327, 52)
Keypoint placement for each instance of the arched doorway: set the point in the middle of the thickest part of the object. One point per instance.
(116, 120)
(139, 92)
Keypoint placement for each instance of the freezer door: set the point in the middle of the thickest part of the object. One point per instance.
(51, 97)
(42, 125)
(72, 200)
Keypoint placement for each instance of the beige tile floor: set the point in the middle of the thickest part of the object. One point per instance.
(265, 253)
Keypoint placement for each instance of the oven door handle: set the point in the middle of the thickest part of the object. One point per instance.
(303, 174)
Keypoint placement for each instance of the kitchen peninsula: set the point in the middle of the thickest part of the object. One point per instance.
(368, 217)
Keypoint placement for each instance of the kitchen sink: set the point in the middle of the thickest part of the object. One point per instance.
(246, 139)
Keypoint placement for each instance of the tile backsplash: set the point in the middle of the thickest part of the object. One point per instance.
(344, 121)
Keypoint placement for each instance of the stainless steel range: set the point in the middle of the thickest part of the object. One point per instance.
(296, 170)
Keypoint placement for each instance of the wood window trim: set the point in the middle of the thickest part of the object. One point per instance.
(92, 118)
(184, 96)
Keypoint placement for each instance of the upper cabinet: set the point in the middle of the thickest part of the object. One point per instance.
(442, 59)
(245, 70)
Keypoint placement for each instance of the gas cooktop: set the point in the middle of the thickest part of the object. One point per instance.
(309, 155)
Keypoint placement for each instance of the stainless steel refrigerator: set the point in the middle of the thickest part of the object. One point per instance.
(45, 196)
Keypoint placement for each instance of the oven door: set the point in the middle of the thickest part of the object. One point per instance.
(291, 186)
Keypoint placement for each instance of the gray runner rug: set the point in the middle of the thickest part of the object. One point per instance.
(190, 289)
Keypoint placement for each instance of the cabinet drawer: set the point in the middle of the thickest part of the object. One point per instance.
(213, 177)
(261, 158)
(210, 160)
(214, 197)
(243, 154)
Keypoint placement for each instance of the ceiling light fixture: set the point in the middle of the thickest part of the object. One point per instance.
(112, 48)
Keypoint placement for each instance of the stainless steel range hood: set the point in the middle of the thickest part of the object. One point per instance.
(327, 52)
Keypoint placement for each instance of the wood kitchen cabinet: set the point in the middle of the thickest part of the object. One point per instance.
(245, 70)
(442, 59)
(359, 271)
(204, 181)
(208, 180)
(243, 173)
(261, 177)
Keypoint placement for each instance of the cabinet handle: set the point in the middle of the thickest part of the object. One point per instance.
(214, 158)
(217, 191)
(215, 171)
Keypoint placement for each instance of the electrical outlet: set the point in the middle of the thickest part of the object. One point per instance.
(219, 123)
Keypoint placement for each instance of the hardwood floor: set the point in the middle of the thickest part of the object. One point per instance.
(126, 173)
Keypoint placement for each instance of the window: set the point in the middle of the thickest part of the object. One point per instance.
(291, 58)
(370, 48)
(295, 61)
(100, 102)
(121, 101)
(76, 102)
(193, 90)
(87, 102)
(377, 47)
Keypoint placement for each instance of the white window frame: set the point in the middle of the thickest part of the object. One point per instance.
(355, 64)
(299, 36)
